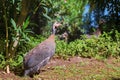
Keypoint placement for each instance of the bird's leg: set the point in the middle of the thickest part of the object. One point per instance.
(26, 73)
(38, 71)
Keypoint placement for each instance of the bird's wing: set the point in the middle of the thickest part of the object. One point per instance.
(38, 55)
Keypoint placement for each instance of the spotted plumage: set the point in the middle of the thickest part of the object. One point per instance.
(40, 55)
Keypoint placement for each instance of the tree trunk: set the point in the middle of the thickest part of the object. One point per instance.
(22, 17)
(24, 11)
(7, 42)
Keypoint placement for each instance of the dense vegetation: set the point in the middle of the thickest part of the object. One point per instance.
(24, 24)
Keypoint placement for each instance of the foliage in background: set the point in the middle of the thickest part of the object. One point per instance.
(102, 47)
(69, 16)
(22, 51)
(107, 9)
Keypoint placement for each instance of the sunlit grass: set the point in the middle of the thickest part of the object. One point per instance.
(81, 72)
(88, 69)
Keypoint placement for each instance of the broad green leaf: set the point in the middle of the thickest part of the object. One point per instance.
(45, 15)
(26, 23)
(13, 1)
(13, 24)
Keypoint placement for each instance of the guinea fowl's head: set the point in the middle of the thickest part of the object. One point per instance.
(55, 26)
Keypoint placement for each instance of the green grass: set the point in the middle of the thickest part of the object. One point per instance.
(83, 72)
(86, 69)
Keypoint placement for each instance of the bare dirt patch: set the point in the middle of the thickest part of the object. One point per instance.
(75, 68)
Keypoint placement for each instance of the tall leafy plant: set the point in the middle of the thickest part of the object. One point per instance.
(15, 21)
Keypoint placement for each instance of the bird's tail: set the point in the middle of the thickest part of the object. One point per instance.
(28, 73)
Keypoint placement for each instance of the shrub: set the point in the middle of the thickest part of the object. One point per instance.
(2, 60)
(104, 46)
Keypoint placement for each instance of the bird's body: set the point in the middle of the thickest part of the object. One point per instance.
(96, 34)
(98, 31)
(39, 56)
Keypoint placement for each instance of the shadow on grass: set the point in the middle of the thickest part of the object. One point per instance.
(115, 79)
(18, 71)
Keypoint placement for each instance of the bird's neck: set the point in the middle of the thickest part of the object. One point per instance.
(52, 37)
(53, 31)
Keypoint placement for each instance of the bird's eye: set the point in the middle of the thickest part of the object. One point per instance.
(55, 27)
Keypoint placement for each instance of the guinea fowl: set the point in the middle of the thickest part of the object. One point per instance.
(98, 31)
(41, 54)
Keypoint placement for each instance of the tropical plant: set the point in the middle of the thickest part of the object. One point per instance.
(15, 20)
